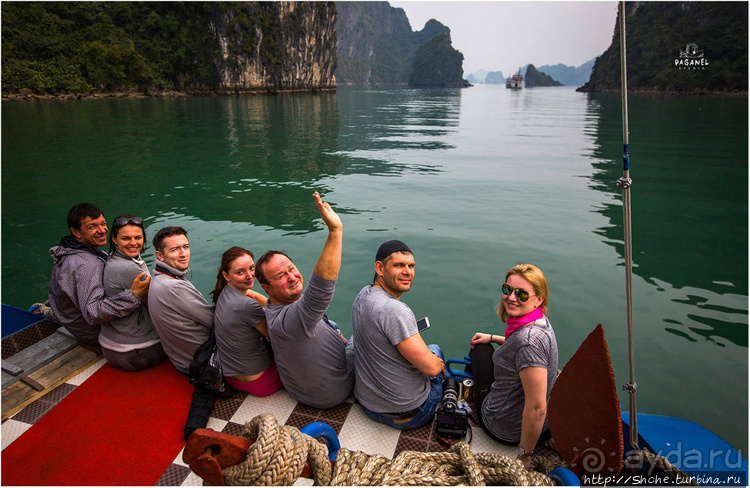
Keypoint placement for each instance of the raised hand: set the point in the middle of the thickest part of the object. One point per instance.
(331, 218)
(329, 262)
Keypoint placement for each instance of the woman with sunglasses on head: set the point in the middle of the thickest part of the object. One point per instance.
(512, 384)
(240, 326)
(130, 342)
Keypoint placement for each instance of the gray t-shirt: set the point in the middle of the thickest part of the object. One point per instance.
(532, 345)
(241, 346)
(386, 381)
(308, 351)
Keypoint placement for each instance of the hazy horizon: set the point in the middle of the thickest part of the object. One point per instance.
(503, 36)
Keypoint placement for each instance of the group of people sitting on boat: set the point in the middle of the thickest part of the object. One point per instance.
(285, 339)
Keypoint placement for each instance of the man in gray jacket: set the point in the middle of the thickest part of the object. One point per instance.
(76, 294)
(182, 316)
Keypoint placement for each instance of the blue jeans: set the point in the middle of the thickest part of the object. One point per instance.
(426, 411)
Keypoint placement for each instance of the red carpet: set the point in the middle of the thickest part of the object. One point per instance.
(117, 428)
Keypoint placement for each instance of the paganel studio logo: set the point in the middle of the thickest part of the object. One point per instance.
(691, 58)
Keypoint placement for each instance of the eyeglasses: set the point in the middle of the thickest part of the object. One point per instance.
(123, 221)
(522, 295)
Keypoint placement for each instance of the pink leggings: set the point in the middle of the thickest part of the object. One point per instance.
(268, 383)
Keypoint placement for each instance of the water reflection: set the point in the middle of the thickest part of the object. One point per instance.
(275, 153)
(381, 123)
(683, 151)
(242, 160)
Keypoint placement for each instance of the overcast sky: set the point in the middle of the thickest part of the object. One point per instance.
(504, 35)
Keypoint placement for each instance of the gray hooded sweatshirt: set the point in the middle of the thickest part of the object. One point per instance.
(182, 317)
(76, 294)
(134, 331)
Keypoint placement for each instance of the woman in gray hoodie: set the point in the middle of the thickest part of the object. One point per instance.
(131, 342)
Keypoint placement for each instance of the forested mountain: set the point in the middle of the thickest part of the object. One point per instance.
(437, 63)
(495, 77)
(83, 47)
(376, 44)
(569, 75)
(534, 77)
(678, 46)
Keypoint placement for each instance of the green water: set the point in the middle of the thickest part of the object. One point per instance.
(474, 180)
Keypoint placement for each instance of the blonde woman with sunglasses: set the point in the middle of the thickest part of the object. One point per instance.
(512, 384)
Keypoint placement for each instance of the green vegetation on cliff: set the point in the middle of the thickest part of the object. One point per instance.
(85, 46)
(657, 32)
(55, 47)
(534, 77)
(437, 63)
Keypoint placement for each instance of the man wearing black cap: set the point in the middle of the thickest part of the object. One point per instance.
(399, 378)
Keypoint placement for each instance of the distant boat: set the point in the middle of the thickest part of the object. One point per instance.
(515, 81)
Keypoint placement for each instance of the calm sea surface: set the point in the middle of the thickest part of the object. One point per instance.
(474, 180)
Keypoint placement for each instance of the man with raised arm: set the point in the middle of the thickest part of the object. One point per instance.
(399, 377)
(181, 315)
(314, 364)
(76, 293)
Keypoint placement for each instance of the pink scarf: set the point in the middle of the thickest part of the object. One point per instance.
(515, 323)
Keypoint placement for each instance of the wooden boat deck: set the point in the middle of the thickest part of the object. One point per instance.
(26, 401)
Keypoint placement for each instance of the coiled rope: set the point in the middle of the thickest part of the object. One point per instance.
(279, 454)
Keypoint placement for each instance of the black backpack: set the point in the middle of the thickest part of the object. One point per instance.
(205, 369)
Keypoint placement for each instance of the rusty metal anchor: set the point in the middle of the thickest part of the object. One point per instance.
(208, 452)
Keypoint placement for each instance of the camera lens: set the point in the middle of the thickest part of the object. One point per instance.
(452, 421)
(450, 391)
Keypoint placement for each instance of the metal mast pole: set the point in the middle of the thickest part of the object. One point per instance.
(625, 182)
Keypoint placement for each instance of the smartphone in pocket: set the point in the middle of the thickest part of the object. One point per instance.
(423, 324)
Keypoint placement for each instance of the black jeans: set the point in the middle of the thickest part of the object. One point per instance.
(200, 410)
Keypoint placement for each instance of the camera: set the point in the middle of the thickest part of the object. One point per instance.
(452, 421)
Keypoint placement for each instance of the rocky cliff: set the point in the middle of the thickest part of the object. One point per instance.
(690, 47)
(85, 48)
(377, 45)
(274, 46)
(534, 77)
(437, 63)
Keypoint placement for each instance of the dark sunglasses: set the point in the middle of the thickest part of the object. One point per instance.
(522, 295)
(123, 221)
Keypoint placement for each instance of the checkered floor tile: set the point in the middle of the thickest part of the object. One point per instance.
(355, 430)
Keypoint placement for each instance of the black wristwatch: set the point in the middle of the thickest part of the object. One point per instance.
(523, 453)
